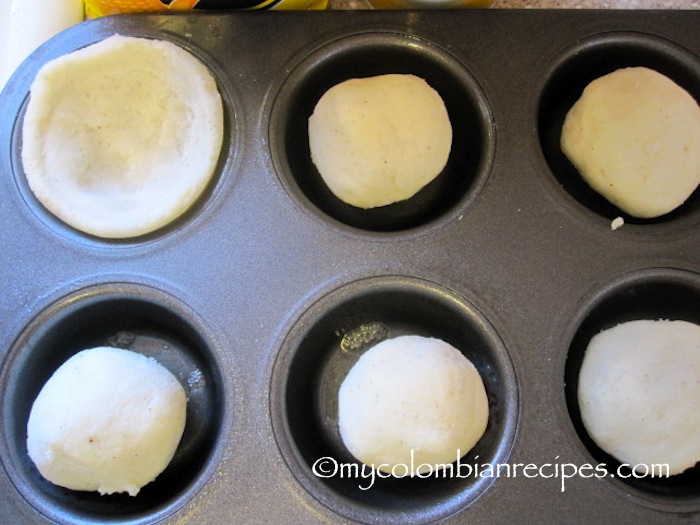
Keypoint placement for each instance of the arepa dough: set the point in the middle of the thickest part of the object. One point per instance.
(108, 420)
(379, 140)
(412, 395)
(634, 136)
(121, 137)
(639, 393)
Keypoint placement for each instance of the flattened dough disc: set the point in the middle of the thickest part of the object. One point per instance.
(121, 137)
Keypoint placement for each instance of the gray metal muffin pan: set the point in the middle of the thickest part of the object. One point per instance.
(247, 298)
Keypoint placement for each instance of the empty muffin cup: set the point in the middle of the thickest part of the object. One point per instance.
(322, 346)
(141, 319)
(652, 294)
(374, 54)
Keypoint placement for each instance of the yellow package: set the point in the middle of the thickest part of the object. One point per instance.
(95, 8)
(111, 7)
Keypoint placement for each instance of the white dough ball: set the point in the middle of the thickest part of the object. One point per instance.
(634, 136)
(121, 137)
(379, 140)
(639, 393)
(108, 420)
(412, 395)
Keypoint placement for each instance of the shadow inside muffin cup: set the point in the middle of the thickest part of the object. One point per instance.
(313, 362)
(646, 295)
(141, 320)
(573, 71)
(373, 54)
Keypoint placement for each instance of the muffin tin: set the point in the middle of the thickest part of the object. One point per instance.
(249, 296)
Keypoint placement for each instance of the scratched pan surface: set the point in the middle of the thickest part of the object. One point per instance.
(254, 298)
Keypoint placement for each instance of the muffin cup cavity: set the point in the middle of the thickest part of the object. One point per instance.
(372, 54)
(651, 294)
(572, 71)
(140, 319)
(57, 48)
(322, 346)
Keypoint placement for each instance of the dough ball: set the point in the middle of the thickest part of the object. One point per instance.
(639, 393)
(379, 140)
(108, 420)
(412, 394)
(634, 136)
(121, 137)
